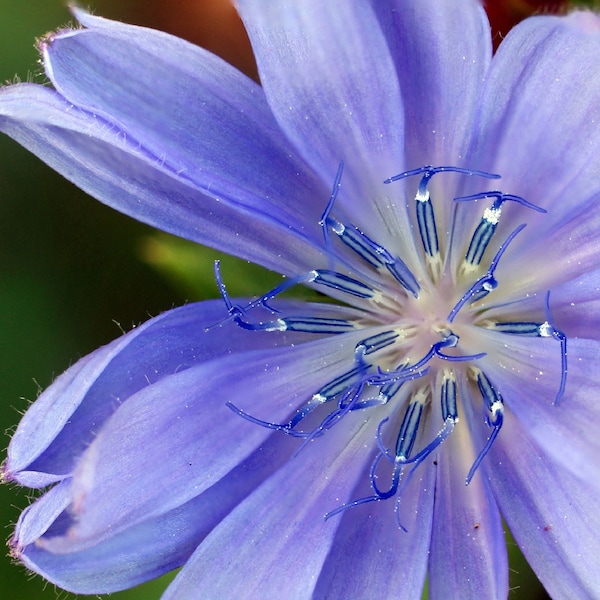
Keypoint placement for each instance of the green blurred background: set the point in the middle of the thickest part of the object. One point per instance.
(74, 273)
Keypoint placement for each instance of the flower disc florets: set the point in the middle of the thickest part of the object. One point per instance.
(422, 331)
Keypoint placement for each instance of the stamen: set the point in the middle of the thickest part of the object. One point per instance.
(429, 171)
(449, 340)
(488, 224)
(403, 275)
(425, 213)
(285, 428)
(370, 251)
(324, 277)
(410, 426)
(495, 417)
(349, 383)
(500, 199)
(318, 325)
(374, 343)
(525, 328)
(405, 443)
(448, 397)
(558, 335)
(426, 221)
(333, 388)
(485, 284)
(329, 207)
(383, 362)
(343, 283)
(321, 325)
(450, 416)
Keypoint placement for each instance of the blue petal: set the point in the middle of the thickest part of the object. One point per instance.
(540, 111)
(552, 515)
(38, 517)
(44, 450)
(109, 164)
(468, 550)
(198, 115)
(342, 102)
(146, 550)
(371, 557)
(442, 51)
(277, 539)
(175, 438)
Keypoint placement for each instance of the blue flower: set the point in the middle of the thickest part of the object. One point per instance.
(447, 199)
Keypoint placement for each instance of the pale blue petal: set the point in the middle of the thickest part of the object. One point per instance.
(343, 101)
(552, 515)
(173, 439)
(109, 164)
(543, 138)
(527, 373)
(199, 116)
(540, 114)
(468, 551)
(144, 551)
(277, 540)
(371, 556)
(39, 516)
(45, 450)
(442, 51)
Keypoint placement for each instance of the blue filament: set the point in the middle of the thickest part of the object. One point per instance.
(373, 344)
(562, 339)
(449, 340)
(429, 171)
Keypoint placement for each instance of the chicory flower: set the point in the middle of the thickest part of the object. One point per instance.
(445, 198)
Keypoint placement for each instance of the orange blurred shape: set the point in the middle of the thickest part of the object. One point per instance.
(212, 24)
(215, 25)
(505, 14)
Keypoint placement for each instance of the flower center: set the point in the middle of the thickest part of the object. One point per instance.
(418, 331)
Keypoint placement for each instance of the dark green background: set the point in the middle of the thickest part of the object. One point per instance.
(69, 272)
(71, 277)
